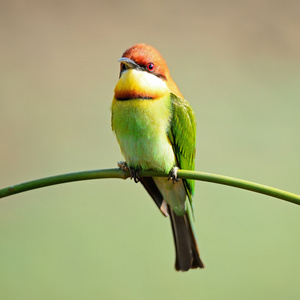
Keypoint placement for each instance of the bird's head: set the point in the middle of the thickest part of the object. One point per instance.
(144, 69)
(144, 58)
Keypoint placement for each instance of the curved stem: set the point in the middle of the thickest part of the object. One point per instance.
(64, 178)
(242, 184)
(118, 173)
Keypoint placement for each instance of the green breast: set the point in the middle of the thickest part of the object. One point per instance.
(141, 128)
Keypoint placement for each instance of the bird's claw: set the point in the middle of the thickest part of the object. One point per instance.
(133, 172)
(173, 174)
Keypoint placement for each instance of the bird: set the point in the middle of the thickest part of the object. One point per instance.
(156, 130)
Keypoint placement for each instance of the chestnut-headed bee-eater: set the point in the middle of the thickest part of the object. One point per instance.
(156, 130)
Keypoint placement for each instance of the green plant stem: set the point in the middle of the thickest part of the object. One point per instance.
(117, 173)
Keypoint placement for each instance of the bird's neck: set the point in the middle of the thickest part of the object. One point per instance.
(173, 88)
(135, 84)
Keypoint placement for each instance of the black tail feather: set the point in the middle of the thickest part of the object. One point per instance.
(187, 254)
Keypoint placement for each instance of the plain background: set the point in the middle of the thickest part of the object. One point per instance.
(238, 64)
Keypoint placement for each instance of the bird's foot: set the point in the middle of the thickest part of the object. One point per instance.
(173, 174)
(135, 175)
(133, 172)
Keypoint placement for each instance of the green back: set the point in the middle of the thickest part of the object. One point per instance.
(182, 135)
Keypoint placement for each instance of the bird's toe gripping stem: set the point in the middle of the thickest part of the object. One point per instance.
(135, 175)
(133, 172)
(173, 174)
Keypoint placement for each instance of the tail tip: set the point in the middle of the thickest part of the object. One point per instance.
(194, 264)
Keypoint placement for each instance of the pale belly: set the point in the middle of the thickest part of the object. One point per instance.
(173, 193)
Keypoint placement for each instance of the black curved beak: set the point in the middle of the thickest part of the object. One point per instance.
(129, 63)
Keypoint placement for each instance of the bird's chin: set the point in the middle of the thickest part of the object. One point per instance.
(135, 84)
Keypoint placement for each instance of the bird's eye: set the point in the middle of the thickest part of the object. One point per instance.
(150, 67)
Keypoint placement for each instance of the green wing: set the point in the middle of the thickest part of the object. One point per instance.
(182, 135)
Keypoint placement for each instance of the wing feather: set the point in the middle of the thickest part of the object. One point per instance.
(182, 135)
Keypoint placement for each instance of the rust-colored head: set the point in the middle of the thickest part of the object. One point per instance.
(149, 59)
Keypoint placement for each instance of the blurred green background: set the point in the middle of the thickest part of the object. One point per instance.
(237, 62)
